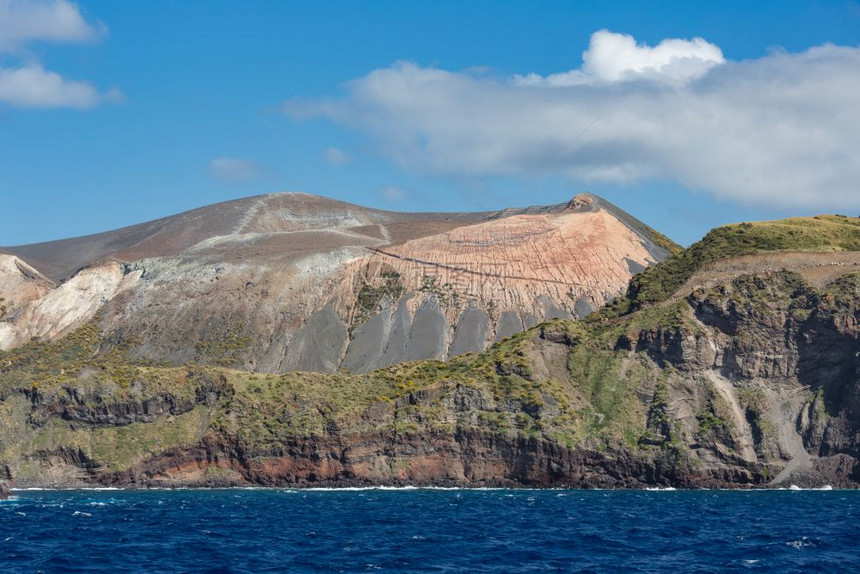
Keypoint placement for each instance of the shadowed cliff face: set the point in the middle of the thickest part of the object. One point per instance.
(777, 359)
(296, 282)
(747, 381)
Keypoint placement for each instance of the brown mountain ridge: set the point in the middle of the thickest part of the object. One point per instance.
(292, 281)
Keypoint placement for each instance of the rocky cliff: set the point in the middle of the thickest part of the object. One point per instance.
(734, 368)
(290, 281)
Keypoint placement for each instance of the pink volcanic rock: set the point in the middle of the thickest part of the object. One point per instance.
(298, 282)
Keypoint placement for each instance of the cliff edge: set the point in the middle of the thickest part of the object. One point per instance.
(738, 369)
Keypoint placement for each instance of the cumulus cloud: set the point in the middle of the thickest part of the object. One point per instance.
(617, 57)
(29, 84)
(234, 170)
(780, 129)
(336, 156)
(34, 87)
(24, 21)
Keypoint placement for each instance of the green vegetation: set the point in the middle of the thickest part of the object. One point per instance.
(842, 294)
(588, 401)
(658, 422)
(444, 295)
(608, 389)
(760, 295)
(664, 242)
(715, 417)
(486, 392)
(226, 350)
(658, 283)
(370, 297)
(755, 401)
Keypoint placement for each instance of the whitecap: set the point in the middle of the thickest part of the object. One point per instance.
(826, 487)
(72, 489)
(407, 488)
(800, 544)
(356, 488)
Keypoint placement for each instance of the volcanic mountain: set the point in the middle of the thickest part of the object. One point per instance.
(733, 363)
(291, 281)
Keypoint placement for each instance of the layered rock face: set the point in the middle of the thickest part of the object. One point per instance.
(748, 381)
(295, 282)
(732, 364)
(763, 376)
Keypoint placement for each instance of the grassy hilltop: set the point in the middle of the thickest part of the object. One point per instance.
(814, 234)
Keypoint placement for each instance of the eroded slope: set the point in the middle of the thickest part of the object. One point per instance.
(752, 382)
(296, 282)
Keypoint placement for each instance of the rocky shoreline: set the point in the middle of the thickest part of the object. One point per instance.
(695, 380)
(474, 460)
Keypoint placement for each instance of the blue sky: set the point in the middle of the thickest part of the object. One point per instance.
(426, 106)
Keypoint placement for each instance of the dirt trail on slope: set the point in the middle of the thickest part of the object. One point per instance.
(819, 268)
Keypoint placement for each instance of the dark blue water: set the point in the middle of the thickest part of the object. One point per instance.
(429, 531)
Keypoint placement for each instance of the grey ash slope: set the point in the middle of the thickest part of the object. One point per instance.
(170, 236)
(292, 281)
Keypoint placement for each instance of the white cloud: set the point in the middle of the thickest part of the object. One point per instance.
(336, 156)
(394, 194)
(23, 21)
(28, 84)
(779, 130)
(34, 87)
(234, 170)
(615, 57)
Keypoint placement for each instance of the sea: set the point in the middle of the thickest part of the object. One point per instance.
(429, 530)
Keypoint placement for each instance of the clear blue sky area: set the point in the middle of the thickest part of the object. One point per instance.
(194, 75)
